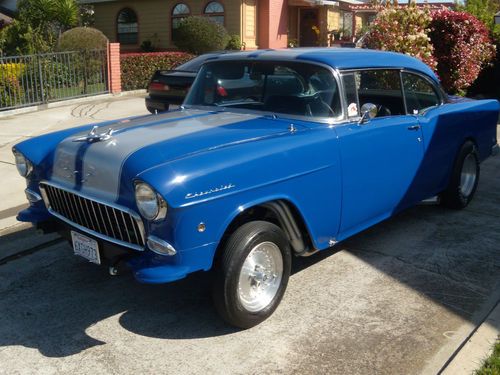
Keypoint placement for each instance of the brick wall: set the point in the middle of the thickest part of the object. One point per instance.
(273, 23)
(114, 71)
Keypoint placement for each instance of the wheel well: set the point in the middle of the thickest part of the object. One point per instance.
(281, 213)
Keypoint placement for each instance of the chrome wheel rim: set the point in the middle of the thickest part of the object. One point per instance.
(260, 276)
(468, 175)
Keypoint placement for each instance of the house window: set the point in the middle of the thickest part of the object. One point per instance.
(179, 13)
(215, 11)
(127, 29)
(346, 24)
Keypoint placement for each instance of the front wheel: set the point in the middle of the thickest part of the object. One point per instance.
(253, 274)
(464, 178)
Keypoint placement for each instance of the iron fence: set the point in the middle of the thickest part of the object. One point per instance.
(36, 79)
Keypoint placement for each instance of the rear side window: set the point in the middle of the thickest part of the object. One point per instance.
(379, 87)
(419, 93)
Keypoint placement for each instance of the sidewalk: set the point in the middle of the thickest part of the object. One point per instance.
(19, 127)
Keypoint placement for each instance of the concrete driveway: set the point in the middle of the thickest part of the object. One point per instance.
(399, 298)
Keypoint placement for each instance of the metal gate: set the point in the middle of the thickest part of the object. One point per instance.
(43, 78)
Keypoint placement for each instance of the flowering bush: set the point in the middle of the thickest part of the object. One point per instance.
(11, 92)
(12, 70)
(403, 29)
(138, 68)
(462, 48)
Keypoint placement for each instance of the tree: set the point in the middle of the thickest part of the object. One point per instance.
(49, 15)
(38, 25)
(403, 29)
(484, 10)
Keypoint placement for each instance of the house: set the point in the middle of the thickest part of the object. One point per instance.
(7, 12)
(259, 23)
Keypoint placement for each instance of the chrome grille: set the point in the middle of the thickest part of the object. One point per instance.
(105, 221)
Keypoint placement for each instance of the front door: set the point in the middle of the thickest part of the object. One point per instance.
(380, 158)
(308, 27)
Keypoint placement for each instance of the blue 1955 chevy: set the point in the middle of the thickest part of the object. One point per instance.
(274, 153)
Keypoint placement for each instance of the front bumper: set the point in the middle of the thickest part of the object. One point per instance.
(147, 266)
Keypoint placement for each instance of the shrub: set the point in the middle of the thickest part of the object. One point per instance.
(200, 35)
(19, 38)
(462, 48)
(234, 43)
(13, 70)
(138, 68)
(403, 29)
(82, 39)
(11, 92)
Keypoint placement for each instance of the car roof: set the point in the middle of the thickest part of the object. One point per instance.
(339, 58)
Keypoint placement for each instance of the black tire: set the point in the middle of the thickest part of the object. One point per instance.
(226, 296)
(455, 196)
(156, 111)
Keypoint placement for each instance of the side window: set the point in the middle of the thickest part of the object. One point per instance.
(351, 93)
(382, 88)
(419, 93)
(379, 87)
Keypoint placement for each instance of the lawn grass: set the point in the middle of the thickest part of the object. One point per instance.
(491, 366)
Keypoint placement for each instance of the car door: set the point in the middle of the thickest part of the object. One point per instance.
(380, 157)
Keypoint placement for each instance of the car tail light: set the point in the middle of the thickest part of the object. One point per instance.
(156, 86)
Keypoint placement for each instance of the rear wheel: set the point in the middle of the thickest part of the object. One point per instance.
(253, 274)
(464, 178)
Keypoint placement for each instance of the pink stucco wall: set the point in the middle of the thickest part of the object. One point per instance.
(273, 19)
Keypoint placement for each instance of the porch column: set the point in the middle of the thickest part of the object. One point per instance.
(273, 23)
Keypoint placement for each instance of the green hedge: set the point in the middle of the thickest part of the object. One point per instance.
(138, 68)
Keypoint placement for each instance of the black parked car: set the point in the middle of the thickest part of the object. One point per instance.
(171, 86)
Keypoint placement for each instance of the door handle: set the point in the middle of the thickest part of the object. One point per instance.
(414, 127)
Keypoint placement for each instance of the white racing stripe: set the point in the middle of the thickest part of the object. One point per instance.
(95, 168)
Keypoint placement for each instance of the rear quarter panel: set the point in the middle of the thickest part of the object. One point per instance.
(445, 129)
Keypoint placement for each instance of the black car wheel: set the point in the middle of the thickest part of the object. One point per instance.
(253, 274)
(464, 178)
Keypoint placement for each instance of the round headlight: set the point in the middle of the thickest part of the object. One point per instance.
(24, 166)
(150, 204)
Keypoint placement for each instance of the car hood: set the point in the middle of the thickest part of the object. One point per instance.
(98, 168)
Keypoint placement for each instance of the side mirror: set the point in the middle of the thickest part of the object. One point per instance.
(368, 111)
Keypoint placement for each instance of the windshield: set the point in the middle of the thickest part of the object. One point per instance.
(293, 88)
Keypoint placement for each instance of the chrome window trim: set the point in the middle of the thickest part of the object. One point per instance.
(122, 209)
(322, 120)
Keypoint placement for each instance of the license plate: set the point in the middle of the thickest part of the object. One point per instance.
(86, 247)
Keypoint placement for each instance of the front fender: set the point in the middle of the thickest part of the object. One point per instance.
(214, 187)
